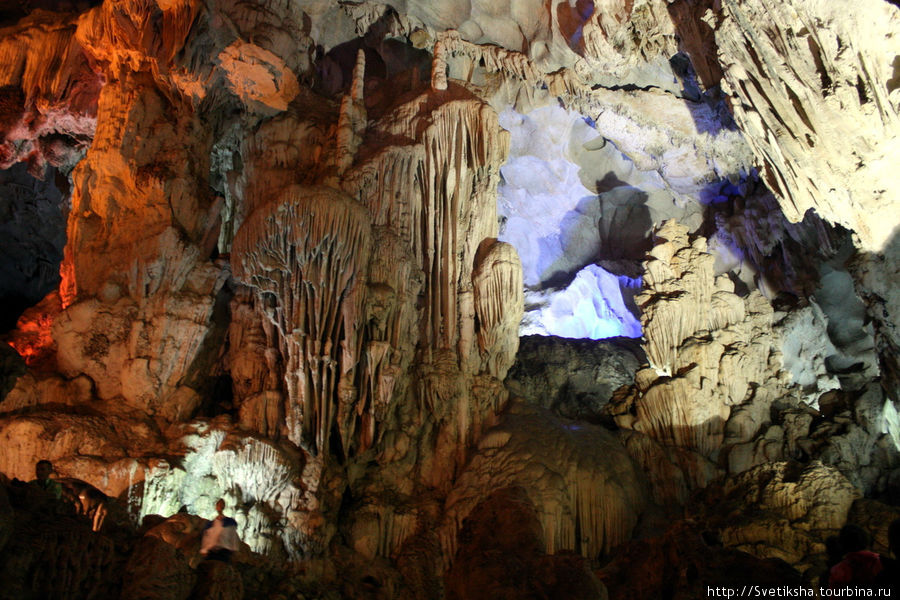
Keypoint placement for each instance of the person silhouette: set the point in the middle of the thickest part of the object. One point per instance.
(43, 469)
(220, 538)
(859, 566)
(889, 578)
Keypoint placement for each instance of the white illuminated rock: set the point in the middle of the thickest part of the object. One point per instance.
(591, 306)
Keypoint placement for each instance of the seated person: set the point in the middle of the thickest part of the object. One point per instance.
(859, 566)
(43, 469)
(220, 538)
(889, 578)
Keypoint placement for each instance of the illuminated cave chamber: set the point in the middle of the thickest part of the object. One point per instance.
(448, 299)
(565, 231)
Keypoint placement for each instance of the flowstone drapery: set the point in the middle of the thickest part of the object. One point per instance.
(306, 256)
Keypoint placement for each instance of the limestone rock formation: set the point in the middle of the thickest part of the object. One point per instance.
(281, 253)
(497, 280)
(807, 85)
(586, 492)
(574, 378)
(709, 349)
(685, 561)
(306, 257)
(783, 510)
(252, 475)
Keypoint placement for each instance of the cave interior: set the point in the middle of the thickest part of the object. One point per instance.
(464, 299)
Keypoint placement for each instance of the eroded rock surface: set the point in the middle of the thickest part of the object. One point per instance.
(300, 240)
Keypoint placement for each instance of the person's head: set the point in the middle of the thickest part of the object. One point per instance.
(43, 469)
(853, 538)
(220, 506)
(833, 549)
(894, 537)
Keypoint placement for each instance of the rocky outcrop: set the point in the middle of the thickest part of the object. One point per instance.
(687, 561)
(256, 477)
(586, 492)
(573, 378)
(813, 86)
(782, 510)
(709, 349)
(288, 282)
(157, 569)
(50, 551)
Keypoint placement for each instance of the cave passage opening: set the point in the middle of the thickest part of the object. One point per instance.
(33, 213)
(576, 211)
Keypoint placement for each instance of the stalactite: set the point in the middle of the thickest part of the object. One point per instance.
(799, 79)
(454, 166)
(499, 304)
(131, 32)
(439, 67)
(459, 159)
(563, 83)
(306, 256)
(352, 119)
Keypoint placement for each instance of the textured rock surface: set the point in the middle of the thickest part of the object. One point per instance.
(686, 563)
(34, 234)
(502, 556)
(586, 492)
(782, 510)
(813, 85)
(299, 241)
(573, 378)
(709, 349)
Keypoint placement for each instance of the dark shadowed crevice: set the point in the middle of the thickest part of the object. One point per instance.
(33, 229)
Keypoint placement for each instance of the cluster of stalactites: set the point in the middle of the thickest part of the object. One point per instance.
(306, 256)
(499, 304)
(390, 331)
(452, 168)
(139, 33)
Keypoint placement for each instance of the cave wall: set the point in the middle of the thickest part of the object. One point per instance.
(291, 273)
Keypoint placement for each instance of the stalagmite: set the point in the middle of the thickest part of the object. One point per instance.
(708, 348)
(254, 363)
